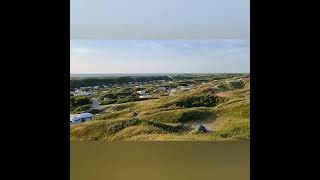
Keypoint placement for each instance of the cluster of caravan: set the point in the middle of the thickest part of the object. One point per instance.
(78, 118)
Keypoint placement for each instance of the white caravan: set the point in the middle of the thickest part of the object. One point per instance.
(78, 118)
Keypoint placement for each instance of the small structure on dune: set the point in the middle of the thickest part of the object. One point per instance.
(141, 92)
(173, 90)
(145, 96)
(162, 88)
(183, 88)
(201, 129)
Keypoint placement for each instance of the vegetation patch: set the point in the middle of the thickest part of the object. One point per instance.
(179, 116)
(224, 112)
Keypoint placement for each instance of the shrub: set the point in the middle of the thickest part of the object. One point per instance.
(237, 84)
(128, 99)
(106, 102)
(194, 115)
(81, 109)
(94, 111)
(205, 100)
(79, 101)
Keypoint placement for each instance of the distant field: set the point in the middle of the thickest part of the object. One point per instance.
(225, 112)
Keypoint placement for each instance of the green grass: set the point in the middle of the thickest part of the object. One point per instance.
(164, 119)
(179, 115)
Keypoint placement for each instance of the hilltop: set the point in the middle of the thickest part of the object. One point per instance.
(221, 103)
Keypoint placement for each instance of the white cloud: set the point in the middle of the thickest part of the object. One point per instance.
(83, 50)
(150, 44)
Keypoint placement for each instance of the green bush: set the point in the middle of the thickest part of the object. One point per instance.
(81, 109)
(205, 100)
(79, 101)
(94, 111)
(110, 101)
(237, 84)
(194, 115)
(128, 99)
(177, 116)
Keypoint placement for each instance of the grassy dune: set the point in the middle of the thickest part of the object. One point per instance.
(172, 118)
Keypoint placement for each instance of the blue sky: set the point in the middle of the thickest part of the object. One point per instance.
(160, 19)
(103, 36)
(160, 56)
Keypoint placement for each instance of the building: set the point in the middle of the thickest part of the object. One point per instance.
(145, 96)
(183, 88)
(141, 92)
(84, 93)
(162, 88)
(78, 118)
(173, 90)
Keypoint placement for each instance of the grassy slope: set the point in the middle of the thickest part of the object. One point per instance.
(161, 120)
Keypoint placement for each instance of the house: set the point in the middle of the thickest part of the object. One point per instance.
(84, 93)
(162, 88)
(141, 92)
(145, 96)
(78, 118)
(173, 90)
(183, 88)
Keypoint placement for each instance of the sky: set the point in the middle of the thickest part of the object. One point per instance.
(160, 56)
(159, 36)
(159, 19)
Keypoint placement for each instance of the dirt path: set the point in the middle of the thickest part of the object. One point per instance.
(209, 126)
